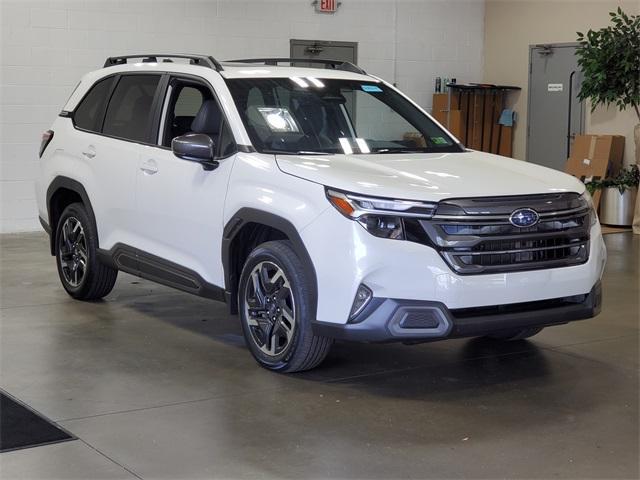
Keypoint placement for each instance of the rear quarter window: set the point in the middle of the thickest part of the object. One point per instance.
(88, 114)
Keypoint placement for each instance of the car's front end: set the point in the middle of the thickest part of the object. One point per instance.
(459, 267)
(421, 239)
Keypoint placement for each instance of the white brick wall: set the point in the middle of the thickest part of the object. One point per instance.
(47, 45)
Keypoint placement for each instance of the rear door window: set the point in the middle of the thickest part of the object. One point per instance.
(88, 114)
(129, 111)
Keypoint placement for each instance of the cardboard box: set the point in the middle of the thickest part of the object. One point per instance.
(594, 157)
(452, 121)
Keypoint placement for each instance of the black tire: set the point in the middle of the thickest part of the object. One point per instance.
(94, 280)
(512, 335)
(303, 349)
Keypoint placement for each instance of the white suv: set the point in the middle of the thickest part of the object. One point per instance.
(318, 203)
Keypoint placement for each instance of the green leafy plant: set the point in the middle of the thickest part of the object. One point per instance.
(626, 179)
(610, 61)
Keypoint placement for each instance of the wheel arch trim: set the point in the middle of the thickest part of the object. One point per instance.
(75, 186)
(245, 216)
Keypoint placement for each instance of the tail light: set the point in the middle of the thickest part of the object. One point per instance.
(46, 138)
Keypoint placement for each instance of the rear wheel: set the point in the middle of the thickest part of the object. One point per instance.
(520, 334)
(275, 309)
(81, 273)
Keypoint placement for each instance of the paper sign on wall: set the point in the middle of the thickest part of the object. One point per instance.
(554, 87)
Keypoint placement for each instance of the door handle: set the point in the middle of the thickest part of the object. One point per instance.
(90, 152)
(149, 167)
(569, 136)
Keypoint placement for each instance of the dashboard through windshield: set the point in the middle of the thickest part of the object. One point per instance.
(308, 115)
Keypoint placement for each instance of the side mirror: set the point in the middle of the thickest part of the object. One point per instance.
(195, 147)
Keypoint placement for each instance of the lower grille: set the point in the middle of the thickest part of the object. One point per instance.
(475, 235)
(514, 308)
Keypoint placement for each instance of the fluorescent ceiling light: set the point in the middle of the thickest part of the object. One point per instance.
(300, 82)
(315, 82)
(346, 147)
(362, 145)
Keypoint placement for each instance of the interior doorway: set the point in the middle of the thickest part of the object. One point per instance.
(323, 50)
(555, 115)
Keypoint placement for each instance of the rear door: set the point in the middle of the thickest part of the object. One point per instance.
(112, 122)
(178, 203)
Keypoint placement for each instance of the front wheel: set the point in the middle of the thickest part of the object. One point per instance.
(274, 297)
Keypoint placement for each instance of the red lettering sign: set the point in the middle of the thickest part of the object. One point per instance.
(327, 6)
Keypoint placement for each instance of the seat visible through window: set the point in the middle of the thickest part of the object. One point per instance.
(129, 109)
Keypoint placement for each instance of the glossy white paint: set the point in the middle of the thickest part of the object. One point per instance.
(177, 210)
(256, 182)
(108, 177)
(407, 270)
(239, 70)
(429, 176)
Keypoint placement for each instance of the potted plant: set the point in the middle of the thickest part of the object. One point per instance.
(610, 62)
(619, 196)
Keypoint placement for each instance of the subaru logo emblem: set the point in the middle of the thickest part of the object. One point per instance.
(524, 217)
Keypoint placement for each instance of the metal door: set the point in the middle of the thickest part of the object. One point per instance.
(323, 50)
(555, 115)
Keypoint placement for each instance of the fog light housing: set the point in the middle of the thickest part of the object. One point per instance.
(361, 300)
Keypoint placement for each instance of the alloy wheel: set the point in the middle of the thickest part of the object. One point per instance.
(270, 308)
(73, 252)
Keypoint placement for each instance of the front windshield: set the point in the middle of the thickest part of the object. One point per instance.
(324, 116)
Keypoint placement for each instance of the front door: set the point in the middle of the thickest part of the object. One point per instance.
(180, 204)
(555, 114)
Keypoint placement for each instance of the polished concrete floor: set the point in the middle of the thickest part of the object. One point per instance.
(158, 384)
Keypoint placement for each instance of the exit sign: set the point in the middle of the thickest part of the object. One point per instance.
(326, 6)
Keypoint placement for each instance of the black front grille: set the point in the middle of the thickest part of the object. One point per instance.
(475, 235)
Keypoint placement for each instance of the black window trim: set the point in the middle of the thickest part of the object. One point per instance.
(101, 118)
(103, 109)
(156, 108)
(185, 78)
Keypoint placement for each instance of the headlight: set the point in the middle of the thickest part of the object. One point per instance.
(586, 197)
(382, 217)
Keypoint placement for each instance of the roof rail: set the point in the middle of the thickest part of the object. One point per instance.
(335, 64)
(204, 60)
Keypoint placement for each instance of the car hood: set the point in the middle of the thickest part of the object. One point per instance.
(429, 176)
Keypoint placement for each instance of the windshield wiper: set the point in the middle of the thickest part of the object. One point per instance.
(299, 152)
(401, 150)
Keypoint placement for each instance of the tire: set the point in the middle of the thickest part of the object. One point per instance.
(274, 299)
(81, 273)
(512, 335)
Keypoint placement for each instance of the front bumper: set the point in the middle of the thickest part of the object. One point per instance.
(393, 320)
(397, 269)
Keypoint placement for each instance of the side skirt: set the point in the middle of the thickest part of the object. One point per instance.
(145, 265)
